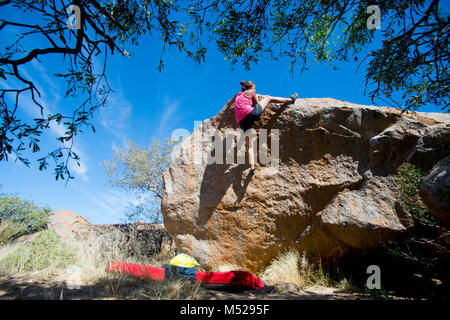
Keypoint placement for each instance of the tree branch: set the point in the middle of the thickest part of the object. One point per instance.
(433, 4)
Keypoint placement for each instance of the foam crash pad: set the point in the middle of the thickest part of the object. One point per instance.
(231, 279)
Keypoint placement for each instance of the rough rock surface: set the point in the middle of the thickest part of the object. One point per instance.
(68, 225)
(72, 227)
(150, 237)
(435, 191)
(330, 192)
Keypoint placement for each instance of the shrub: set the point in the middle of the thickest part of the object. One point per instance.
(20, 217)
(284, 268)
(47, 251)
(418, 260)
(292, 267)
(409, 177)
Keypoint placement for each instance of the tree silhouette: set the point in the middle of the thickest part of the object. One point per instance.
(413, 60)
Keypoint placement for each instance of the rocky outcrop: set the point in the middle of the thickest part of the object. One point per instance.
(433, 146)
(327, 192)
(136, 239)
(133, 239)
(435, 191)
(68, 225)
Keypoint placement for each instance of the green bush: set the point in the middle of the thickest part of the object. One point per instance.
(409, 177)
(20, 217)
(46, 251)
(417, 262)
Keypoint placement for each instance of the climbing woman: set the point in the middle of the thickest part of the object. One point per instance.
(248, 110)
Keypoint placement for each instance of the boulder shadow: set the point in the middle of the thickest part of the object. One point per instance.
(217, 179)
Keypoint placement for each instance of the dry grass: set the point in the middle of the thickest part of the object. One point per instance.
(90, 258)
(7, 231)
(45, 253)
(5, 250)
(227, 267)
(284, 268)
(124, 287)
(293, 267)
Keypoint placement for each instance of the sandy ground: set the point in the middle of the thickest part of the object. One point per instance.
(22, 288)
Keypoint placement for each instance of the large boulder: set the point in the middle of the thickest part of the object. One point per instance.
(435, 191)
(328, 192)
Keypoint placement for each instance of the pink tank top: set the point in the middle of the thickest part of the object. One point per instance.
(242, 106)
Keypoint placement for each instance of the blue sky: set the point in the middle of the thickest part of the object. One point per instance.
(147, 104)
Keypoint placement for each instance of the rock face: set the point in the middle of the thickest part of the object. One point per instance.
(435, 191)
(68, 225)
(326, 193)
(150, 237)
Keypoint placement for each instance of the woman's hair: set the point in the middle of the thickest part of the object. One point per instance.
(246, 85)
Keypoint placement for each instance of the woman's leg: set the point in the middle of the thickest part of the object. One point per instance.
(251, 157)
(264, 102)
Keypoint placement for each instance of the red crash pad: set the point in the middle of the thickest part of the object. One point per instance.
(231, 278)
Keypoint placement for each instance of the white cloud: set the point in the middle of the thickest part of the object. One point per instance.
(113, 202)
(167, 119)
(116, 115)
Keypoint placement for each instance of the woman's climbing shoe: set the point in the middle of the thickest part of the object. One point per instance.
(293, 97)
(252, 171)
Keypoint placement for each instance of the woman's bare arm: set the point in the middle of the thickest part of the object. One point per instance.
(254, 98)
(231, 101)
